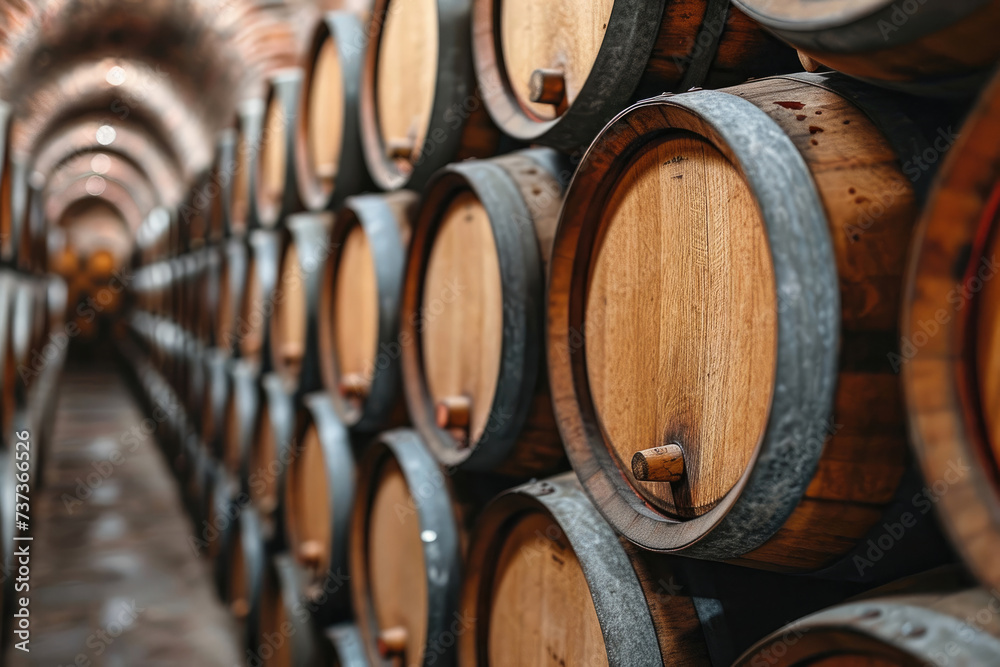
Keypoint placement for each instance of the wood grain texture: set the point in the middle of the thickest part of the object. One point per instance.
(858, 446)
(356, 306)
(942, 49)
(549, 583)
(471, 321)
(676, 350)
(563, 35)
(407, 72)
(541, 607)
(461, 339)
(359, 309)
(309, 518)
(326, 113)
(610, 53)
(948, 363)
(288, 324)
(395, 561)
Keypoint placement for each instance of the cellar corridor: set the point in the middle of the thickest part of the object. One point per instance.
(114, 580)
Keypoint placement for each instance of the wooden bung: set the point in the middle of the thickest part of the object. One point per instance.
(329, 160)
(419, 106)
(938, 49)
(319, 495)
(554, 72)
(275, 194)
(404, 552)
(712, 292)
(950, 352)
(549, 582)
(359, 338)
(471, 323)
(891, 631)
(659, 464)
(293, 326)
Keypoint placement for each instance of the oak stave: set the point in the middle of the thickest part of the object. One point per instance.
(841, 421)
(383, 222)
(319, 189)
(641, 49)
(514, 201)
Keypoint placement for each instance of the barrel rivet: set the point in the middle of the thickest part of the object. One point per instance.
(547, 86)
(659, 464)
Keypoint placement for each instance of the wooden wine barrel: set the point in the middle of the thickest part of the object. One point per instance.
(319, 496)
(209, 292)
(287, 634)
(232, 285)
(259, 298)
(242, 404)
(926, 47)
(548, 582)
(344, 647)
(721, 371)
(271, 454)
(329, 160)
(359, 344)
(247, 560)
(958, 628)
(950, 347)
(219, 188)
(419, 105)
(294, 323)
(250, 119)
(221, 514)
(217, 388)
(276, 190)
(194, 393)
(404, 553)
(472, 319)
(555, 73)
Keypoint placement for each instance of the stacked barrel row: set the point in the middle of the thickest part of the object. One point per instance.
(379, 311)
(34, 338)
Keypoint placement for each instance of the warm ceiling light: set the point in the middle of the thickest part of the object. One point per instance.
(96, 185)
(106, 135)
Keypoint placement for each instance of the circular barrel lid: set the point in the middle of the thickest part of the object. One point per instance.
(404, 551)
(672, 392)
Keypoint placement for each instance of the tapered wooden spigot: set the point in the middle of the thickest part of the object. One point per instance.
(547, 86)
(399, 149)
(354, 386)
(392, 642)
(310, 553)
(659, 464)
